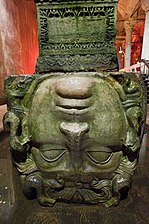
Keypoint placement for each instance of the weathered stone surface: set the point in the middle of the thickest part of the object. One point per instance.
(80, 145)
(133, 210)
(76, 35)
(75, 137)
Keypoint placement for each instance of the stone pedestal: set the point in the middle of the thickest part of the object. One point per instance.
(76, 36)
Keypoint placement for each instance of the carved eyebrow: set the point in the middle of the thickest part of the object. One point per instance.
(100, 148)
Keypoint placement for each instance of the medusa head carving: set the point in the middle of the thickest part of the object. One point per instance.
(75, 136)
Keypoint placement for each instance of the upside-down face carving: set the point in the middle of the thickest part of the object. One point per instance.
(80, 135)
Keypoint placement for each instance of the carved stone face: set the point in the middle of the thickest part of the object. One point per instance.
(80, 134)
(77, 126)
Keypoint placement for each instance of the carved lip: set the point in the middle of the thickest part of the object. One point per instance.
(73, 111)
(73, 106)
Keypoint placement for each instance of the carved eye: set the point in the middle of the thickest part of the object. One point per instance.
(100, 156)
(51, 155)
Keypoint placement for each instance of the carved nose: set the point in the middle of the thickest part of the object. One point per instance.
(74, 87)
(75, 133)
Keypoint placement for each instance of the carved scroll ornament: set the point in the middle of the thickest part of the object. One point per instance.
(76, 35)
(76, 136)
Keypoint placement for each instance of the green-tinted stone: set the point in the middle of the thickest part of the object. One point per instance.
(75, 136)
(76, 35)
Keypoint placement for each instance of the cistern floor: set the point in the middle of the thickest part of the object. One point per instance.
(16, 209)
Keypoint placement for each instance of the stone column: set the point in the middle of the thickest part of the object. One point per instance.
(145, 47)
(128, 29)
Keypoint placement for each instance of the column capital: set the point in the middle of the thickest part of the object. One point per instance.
(145, 5)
